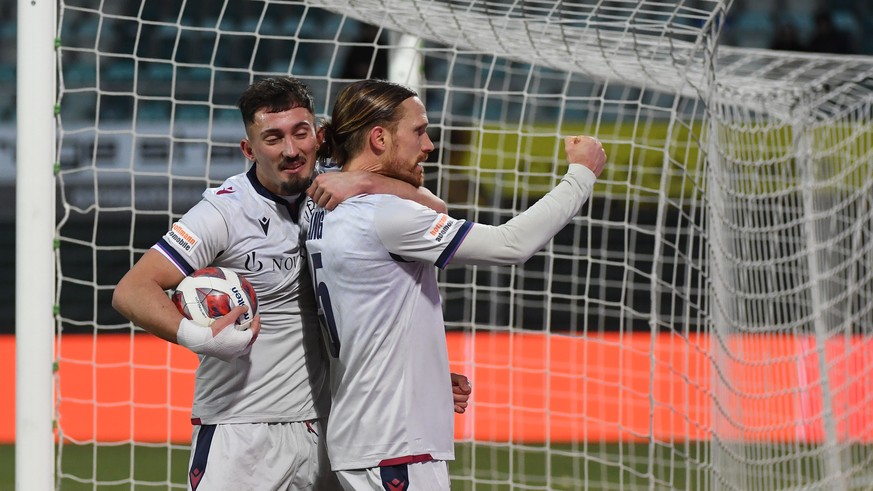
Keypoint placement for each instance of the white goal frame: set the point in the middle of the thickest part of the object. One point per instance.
(34, 250)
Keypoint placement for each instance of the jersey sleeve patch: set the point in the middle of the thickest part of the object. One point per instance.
(183, 238)
(439, 229)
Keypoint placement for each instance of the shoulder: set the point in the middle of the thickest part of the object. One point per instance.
(230, 193)
(415, 232)
(395, 216)
(232, 188)
(384, 207)
(376, 202)
(387, 202)
(205, 219)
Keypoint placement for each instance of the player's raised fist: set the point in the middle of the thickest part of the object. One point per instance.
(587, 151)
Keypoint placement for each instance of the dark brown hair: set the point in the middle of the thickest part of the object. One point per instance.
(359, 107)
(275, 94)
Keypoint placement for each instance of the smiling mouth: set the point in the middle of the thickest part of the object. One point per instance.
(292, 166)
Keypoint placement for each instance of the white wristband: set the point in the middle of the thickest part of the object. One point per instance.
(230, 343)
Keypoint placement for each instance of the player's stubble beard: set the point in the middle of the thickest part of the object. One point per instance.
(295, 186)
(400, 170)
(400, 175)
(296, 183)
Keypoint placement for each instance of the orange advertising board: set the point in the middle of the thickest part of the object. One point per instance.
(527, 387)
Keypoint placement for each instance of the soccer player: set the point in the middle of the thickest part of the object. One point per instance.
(258, 404)
(372, 262)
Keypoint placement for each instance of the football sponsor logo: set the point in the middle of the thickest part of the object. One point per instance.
(252, 262)
(286, 263)
(439, 228)
(183, 237)
(227, 190)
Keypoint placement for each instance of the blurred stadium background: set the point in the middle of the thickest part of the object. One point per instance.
(750, 23)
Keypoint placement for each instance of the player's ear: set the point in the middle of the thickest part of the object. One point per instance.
(377, 138)
(246, 146)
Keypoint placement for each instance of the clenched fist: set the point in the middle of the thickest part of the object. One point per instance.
(587, 151)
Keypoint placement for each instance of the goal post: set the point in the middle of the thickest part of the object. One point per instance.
(34, 246)
(703, 324)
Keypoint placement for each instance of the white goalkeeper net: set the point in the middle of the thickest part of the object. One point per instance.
(704, 323)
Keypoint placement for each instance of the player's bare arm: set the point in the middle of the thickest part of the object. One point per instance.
(332, 188)
(141, 295)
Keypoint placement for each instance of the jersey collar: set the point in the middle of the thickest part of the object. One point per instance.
(292, 206)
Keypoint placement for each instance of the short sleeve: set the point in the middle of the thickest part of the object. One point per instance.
(196, 239)
(412, 232)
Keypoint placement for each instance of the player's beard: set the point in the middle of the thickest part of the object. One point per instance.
(295, 183)
(295, 186)
(399, 169)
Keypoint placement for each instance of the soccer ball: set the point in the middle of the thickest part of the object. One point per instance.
(211, 292)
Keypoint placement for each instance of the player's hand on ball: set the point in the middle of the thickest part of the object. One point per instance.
(461, 389)
(222, 339)
(586, 151)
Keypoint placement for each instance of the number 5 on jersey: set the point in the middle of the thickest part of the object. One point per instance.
(325, 312)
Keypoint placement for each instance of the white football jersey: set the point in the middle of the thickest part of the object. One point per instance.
(372, 260)
(242, 226)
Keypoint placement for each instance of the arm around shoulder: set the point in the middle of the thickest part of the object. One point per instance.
(332, 188)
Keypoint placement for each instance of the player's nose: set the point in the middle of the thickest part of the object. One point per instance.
(428, 146)
(290, 149)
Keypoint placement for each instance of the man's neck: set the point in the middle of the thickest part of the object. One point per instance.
(364, 164)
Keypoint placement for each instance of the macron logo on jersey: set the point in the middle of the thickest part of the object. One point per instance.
(227, 190)
(185, 239)
(439, 228)
(265, 224)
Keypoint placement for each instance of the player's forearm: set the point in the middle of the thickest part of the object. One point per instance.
(330, 189)
(421, 195)
(521, 237)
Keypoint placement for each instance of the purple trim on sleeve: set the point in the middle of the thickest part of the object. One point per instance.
(174, 256)
(449, 251)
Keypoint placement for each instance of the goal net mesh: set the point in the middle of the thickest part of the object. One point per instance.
(704, 323)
